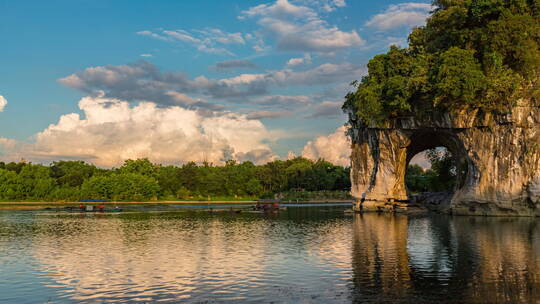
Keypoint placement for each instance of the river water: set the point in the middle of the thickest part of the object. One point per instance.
(302, 255)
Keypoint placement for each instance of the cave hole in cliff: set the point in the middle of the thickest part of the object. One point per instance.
(435, 162)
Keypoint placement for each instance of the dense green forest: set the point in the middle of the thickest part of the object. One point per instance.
(482, 54)
(142, 180)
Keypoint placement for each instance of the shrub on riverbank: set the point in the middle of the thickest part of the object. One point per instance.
(319, 196)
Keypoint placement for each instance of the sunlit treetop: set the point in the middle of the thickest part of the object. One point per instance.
(470, 54)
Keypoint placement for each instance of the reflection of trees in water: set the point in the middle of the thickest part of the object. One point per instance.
(396, 258)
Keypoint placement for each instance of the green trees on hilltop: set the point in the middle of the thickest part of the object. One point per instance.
(141, 180)
(471, 53)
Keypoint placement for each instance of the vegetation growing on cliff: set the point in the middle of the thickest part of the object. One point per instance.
(471, 54)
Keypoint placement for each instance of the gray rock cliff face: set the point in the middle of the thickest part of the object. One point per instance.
(498, 159)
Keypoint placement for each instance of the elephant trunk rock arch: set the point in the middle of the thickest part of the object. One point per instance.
(499, 157)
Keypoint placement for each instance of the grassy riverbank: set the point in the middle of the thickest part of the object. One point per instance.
(297, 197)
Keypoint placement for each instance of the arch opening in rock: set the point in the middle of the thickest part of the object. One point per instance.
(445, 144)
(431, 178)
(444, 152)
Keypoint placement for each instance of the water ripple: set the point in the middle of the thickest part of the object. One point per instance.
(315, 255)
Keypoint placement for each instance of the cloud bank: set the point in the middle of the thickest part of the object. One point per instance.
(142, 81)
(113, 131)
(135, 82)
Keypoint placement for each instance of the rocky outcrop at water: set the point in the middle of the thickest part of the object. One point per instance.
(432, 201)
(497, 156)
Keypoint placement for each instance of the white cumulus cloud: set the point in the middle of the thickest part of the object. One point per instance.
(323, 74)
(209, 40)
(3, 103)
(112, 131)
(409, 14)
(339, 3)
(299, 61)
(300, 28)
(327, 109)
(335, 148)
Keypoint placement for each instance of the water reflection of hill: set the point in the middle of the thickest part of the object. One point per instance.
(487, 260)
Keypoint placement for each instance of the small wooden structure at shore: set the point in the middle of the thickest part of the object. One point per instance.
(267, 205)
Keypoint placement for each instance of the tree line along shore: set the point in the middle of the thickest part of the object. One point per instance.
(141, 180)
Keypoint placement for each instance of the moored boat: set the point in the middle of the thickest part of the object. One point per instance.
(267, 205)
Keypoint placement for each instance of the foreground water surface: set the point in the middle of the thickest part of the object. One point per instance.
(302, 255)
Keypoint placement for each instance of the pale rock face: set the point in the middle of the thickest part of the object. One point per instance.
(498, 159)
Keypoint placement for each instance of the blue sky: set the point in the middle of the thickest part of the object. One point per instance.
(199, 73)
